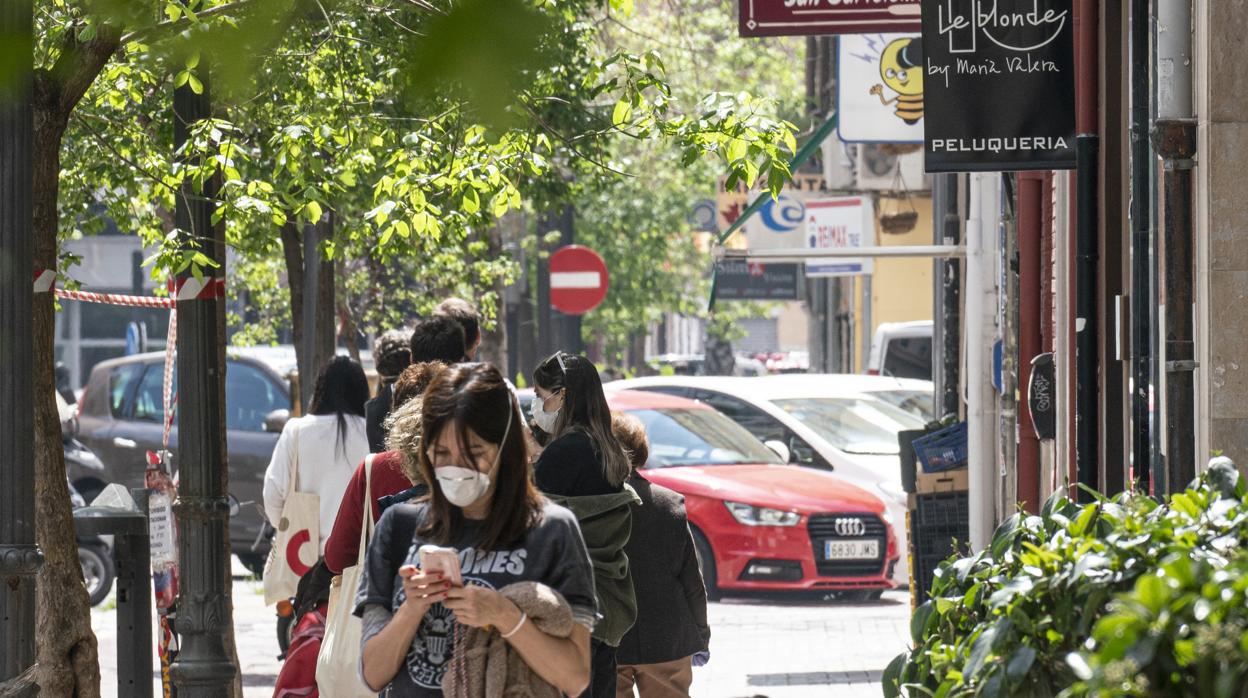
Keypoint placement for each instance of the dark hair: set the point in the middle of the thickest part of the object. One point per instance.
(413, 381)
(341, 389)
(465, 314)
(584, 408)
(438, 339)
(631, 434)
(475, 396)
(392, 352)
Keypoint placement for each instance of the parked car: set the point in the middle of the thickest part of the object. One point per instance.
(120, 419)
(758, 523)
(918, 397)
(902, 350)
(826, 422)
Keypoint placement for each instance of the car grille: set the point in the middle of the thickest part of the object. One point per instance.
(822, 527)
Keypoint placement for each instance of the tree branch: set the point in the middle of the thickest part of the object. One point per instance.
(156, 31)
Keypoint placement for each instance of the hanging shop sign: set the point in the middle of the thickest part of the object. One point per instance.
(841, 223)
(879, 97)
(811, 17)
(999, 88)
(1041, 396)
(750, 281)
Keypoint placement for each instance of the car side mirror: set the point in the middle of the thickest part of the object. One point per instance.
(276, 420)
(802, 454)
(780, 449)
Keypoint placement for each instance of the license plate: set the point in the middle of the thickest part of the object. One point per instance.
(858, 549)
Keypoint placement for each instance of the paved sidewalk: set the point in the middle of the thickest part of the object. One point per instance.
(772, 647)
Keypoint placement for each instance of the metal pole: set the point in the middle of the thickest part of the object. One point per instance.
(202, 668)
(1087, 152)
(981, 310)
(20, 557)
(1141, 260)
(868, 331)
(1174, 138)
(546, 341)
(951, 303)
(802, 254)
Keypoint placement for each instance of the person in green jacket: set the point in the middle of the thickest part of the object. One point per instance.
(583, 468)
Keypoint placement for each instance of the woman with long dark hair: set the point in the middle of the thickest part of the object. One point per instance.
(513, 548)
(321, 449)
(583, 467)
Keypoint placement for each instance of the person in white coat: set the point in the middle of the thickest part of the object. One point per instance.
(324, 446)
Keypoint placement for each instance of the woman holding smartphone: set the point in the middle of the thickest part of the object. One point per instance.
(483, 505)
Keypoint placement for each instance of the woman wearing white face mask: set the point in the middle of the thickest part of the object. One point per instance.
(583, 468)
(483, 505)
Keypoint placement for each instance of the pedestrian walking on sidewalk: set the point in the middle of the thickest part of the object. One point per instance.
(322, 449)
(392, 353)
(525, 609)
(583, 468)
(671, 634)
(394, 472)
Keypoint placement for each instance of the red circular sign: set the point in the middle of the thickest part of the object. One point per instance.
(578, 280)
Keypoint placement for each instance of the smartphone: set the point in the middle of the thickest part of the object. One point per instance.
(444, 561)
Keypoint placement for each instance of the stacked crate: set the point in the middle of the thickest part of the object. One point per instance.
(934, 473)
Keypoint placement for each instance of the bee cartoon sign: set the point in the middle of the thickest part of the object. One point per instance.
(880, 88)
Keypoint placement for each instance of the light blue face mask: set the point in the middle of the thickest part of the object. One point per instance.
(544, 420)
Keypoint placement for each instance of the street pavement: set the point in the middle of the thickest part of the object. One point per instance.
(774, 647)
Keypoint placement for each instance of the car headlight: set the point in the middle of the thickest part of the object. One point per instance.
(748, 515)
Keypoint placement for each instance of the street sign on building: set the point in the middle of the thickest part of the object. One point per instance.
(780, 224)
(810, 17)
(879, 88)
(739, 280)
(841, 223)
(1000, 86)
(578, 280)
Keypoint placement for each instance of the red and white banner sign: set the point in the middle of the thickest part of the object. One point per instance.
(810, 17)
(578, 280)
(840, 223)
(190, 288)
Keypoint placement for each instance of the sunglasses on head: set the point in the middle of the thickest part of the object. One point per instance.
(557, 357)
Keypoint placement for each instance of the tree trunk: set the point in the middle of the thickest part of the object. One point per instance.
(349, 330)
(67, 649)
(494, 342)
(292, 251)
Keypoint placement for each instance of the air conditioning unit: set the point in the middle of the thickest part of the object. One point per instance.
(877, 170)
(838, 163)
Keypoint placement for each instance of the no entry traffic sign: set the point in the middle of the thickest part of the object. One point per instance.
(578, 280)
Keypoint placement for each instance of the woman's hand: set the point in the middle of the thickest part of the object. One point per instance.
(422, 591)
(479, 607)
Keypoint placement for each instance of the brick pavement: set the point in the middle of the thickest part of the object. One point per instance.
(775, 648)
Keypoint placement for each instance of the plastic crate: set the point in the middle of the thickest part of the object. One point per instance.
(939, 528)
(942, 450)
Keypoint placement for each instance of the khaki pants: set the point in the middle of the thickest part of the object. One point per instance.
(667, 680)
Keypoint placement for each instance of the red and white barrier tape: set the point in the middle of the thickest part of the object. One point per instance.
(45, 279)
(184, 289)
(171, 341)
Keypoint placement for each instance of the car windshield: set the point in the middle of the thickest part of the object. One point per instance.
(853, 425)
(699, 437)
(919, 403)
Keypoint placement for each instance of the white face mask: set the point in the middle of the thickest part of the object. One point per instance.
(544, 420)
(464, 486)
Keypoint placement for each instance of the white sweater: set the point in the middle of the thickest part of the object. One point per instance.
(325, 466)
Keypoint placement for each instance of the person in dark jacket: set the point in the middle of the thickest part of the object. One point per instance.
(583, 468)
(439, 339)
(671, 633)
(392, 352)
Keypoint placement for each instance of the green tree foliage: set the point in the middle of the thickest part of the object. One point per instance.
(640, 223)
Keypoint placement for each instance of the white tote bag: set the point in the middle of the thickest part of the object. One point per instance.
(297, 544)
(337, 665)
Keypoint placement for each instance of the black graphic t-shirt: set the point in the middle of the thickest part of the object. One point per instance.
(552, 553)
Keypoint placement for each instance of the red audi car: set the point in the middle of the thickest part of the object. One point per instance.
(758, 523)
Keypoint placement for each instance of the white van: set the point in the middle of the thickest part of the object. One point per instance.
(902, 350)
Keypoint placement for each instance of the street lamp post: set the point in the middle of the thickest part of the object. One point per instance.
(203, 667)
(20, 557)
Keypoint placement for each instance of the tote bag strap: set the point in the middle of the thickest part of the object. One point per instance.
(366, 524)
(294, 460)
